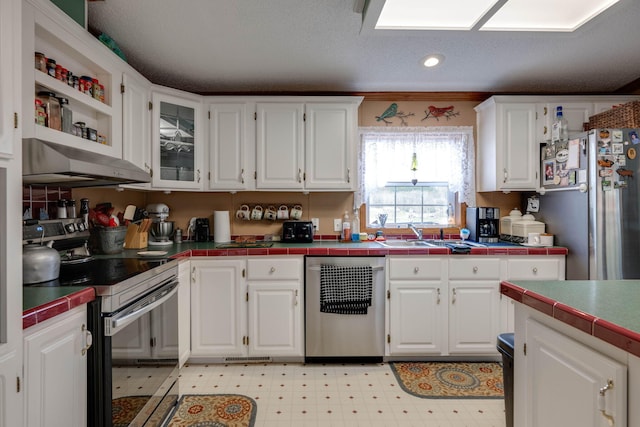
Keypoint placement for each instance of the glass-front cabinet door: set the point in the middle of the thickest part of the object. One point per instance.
(177, 142)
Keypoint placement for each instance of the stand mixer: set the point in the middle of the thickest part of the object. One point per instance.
(161, 230)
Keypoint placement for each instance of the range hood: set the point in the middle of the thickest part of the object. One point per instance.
(48, 163)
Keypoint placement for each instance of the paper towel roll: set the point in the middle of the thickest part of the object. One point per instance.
(221, 224)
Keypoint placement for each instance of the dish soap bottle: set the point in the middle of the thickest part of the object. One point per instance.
(346, 227)
(355, 229)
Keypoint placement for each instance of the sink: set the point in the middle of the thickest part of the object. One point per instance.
(437, 242)
(397, 243)
(427, 243)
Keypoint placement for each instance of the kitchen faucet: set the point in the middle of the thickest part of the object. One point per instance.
(415, 230)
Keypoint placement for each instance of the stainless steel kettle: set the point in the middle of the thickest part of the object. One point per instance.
(40, 263)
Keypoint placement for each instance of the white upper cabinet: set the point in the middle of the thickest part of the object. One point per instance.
(9, 74)
(46, 29)
(507, 145)
(229, 148)
(178, 145)
(279, 145)
(511, 128)
(136, 122)
(330, 146)
(307, 143)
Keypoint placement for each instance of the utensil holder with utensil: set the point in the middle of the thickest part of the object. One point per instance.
(137, 236)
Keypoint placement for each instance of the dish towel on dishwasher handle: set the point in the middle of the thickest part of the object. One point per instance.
(345, 290)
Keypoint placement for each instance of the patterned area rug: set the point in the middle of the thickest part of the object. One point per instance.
(214, 410)
(125, 409)
(457, 380)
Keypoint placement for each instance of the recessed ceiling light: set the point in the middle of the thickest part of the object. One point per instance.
(432, 60)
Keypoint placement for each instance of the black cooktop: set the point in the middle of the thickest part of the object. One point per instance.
(102, 271)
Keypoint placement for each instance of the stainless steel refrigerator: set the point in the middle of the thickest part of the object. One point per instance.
(590, 201)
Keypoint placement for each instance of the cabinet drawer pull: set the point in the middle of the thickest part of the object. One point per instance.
(416, 270)
(602, 403)
(535, 270)
(475, 269)
(88, 340)
(272, 270)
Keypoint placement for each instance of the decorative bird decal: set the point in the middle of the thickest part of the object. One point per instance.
(438, 112)
(391, 112)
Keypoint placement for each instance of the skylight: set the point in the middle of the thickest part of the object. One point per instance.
(489, 15)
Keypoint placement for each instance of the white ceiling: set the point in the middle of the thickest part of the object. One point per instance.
(254, 46)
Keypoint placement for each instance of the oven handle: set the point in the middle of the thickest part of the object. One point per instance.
(114, 323)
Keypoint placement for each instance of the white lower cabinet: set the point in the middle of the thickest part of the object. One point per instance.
(247, 307)
(563, 382)
(55, 370)
(474, 305)
(441, 306)
(416, 305)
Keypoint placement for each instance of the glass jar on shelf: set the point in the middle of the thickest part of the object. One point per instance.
(66, 116)
(52, 107)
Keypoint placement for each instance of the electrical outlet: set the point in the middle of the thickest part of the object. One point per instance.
(337, 224)
(316, 224)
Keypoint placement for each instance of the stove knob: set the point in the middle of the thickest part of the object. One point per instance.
(80, 226)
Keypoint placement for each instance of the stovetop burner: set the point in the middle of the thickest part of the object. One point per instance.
(102, 272)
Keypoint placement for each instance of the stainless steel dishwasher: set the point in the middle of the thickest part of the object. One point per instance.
(332, 336)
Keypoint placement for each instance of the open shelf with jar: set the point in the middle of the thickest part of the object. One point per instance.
(95, 106)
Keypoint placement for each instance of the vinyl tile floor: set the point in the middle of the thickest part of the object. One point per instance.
(319, 395)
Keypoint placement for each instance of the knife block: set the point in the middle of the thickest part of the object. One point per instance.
(135, 239)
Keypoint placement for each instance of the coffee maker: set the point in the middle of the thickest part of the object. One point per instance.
(161, 230)
(483, 224)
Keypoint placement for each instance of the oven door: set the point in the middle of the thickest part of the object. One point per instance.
(141, 359)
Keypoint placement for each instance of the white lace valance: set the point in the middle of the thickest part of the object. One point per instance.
(443, 153)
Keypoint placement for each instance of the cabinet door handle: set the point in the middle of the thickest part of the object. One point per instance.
(198, 174)
(242, 176)
(299, 175)
(295, 299)
(505, 175)
(438, 298)
(545, 130)
(88, 339)
(193, 275)
(602, 402)
(348, 175)
(453, 299)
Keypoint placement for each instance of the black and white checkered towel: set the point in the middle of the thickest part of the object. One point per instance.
(345, 290)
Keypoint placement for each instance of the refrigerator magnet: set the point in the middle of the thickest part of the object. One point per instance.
(605, 172)
(616, 136)
(631, 153)
(606, 185)
(617, 148)
(620, 184)
(633, 135)
(621, 160)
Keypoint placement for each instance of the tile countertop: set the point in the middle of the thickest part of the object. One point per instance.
(597, 307)
(41, 303)
(336, 248)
